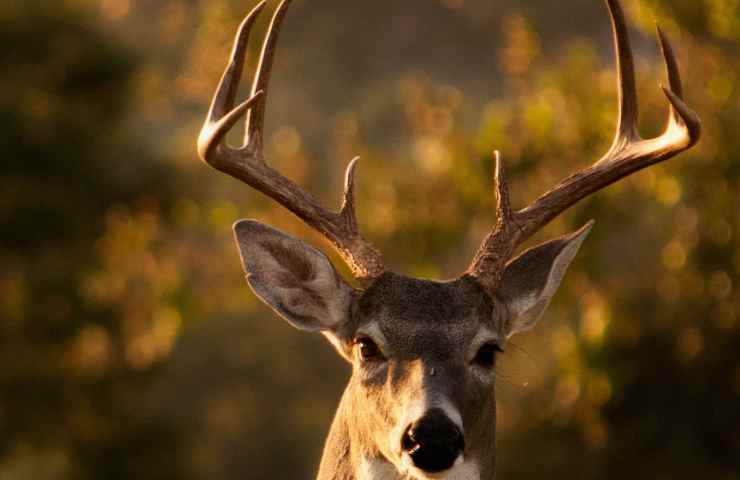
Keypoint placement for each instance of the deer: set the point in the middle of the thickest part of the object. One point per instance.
(420, 402)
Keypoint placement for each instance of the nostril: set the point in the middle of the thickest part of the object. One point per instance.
(408, 442)
(458, 440)
(454, 436)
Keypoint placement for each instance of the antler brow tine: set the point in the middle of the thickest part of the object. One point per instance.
(247, 164)
(628, 154)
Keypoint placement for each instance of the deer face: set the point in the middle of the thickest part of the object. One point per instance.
(423, 353)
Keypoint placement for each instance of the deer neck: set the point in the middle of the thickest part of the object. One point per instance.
(348, 457)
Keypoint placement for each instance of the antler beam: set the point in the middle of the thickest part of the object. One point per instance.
(628, 154)
(246, 163)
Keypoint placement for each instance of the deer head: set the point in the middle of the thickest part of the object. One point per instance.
(421, 399)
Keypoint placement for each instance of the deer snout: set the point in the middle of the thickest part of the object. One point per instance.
(433, 442)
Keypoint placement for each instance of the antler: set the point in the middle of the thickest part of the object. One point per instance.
(628, 154)
(247, 163)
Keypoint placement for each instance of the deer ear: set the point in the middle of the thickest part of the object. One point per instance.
(293, 278)
(530, 280)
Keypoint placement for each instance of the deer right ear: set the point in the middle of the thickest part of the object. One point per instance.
(530, 280)
(293, 278)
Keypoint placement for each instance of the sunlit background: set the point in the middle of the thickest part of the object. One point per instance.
(130, 346)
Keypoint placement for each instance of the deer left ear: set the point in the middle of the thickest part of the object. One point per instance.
(293, 278)
(530, 280)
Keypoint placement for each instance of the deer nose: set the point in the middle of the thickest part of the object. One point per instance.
(433, 442)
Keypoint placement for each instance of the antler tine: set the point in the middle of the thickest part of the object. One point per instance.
(247, 163)
(674, 75)
(627, 90)
(499, 245)
(256, 118)
(348, 205)
(628, 154)
(503, 203)
(680, 115)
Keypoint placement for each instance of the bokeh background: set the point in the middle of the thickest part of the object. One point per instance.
(130, 346)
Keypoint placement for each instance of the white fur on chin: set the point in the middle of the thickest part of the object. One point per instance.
(378, 469)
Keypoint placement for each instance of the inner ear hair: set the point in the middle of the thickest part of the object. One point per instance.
(293, 278)
(530, 281)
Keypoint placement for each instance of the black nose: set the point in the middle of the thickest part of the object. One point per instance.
(433, 442)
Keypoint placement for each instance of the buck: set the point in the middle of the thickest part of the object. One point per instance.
(420, 403)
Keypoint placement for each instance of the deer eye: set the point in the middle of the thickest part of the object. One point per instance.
(368, 349)
(486, 356)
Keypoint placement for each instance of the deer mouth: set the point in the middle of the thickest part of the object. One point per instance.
(461, 468)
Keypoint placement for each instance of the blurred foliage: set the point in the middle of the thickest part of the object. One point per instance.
(132, 348)
(68, 401)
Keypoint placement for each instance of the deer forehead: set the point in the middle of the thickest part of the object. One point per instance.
(422, 315)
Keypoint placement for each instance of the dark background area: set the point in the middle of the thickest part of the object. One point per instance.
(130, 346)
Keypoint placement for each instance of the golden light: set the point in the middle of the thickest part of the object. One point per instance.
(690, 344)
(115, 9)
(674, 255)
